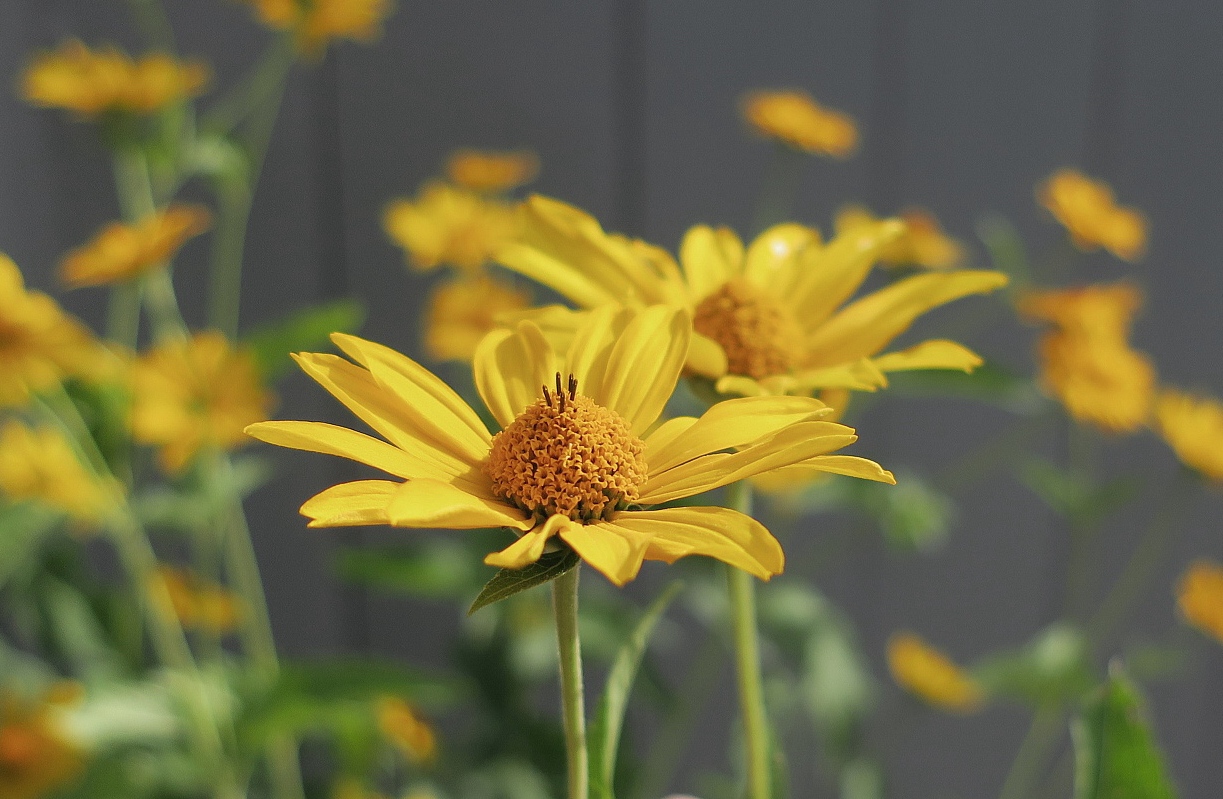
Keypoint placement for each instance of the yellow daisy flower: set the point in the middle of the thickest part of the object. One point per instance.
(93, 82)
(448, 225)
(923, 242)
(37, 756)
(121, 252)
(1199, 595)
(40, 345)
(491, 172)
(38, 463)
(578, 462)
(401, 726)
(462, 311)
(768, 317)
(794, 118)
(316, 22)
(196, 393)
(1087, 362)
(1193, 427)
(198, 603)
(1087, 210)
(927, 673)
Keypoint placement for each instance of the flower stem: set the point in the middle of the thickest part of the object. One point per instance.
(779, 188)
(742, 590)
(1033, 752)
(573, 706)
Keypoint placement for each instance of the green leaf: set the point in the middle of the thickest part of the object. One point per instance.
(1075, 495)
(508, 582)
(609, 718)
(1006, 250)
(913, 514)
(1116, 755)
(990, 383)
(23, 528)
(307, 329)
(1054, 666)
(440, 570)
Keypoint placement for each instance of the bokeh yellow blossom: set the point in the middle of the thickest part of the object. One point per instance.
(929, 674)
(1199, 595)
(1193, 427)
(491, 172)
(195, 393)
(39, 464)
(402, 727)
(199, 604)
(1087, 210)
(40, 345)
(448, 225)
(37, 756)
(796, 119)
(317, 22)
(93, 82)
(923, 242)
(121, 252)
(1087, 362)
(462, 311)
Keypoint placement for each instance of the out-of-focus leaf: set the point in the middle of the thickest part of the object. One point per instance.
(76, 632)
(508, 582)
(505, 779)
(118, 714)
(1055, 665)
(609, 718)
(23, 527)
(1074, 495)
(1006, 250)
(1116, 755)
(440, 569)
(990, 383)
(862, 778)
(218, 157)
(365, 679)
(308, 329)
(913, 514)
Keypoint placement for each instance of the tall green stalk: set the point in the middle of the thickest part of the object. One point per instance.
(573, 705)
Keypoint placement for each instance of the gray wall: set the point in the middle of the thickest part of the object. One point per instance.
(964, 105)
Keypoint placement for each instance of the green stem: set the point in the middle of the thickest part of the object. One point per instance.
(162, 304)
(573, 706)
(742, 589)
(779, 188)
(255, 91)
(151, 18)
(1033, 752)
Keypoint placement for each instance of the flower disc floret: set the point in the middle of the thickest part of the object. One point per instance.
(759, 335)
(567, 454)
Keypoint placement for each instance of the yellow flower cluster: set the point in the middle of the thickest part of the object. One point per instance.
(795, 119)
(197, 603)
(464, 310)
(1193, 427)
(1200, 597)
(121, 252)
(404, 728)
(40, 464)
(923, 242)
(1087, 210)
(316, 22)
(94, 82)
(929, 674)
(445, 224)
(491, 172)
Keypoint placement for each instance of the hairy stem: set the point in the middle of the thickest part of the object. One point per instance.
(573, 706)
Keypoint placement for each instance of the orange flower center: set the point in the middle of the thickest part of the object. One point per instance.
(567, 454)
(759, 335)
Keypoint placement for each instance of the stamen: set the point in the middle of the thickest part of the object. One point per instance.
(560, 392)
(547, 397)
(573, 387)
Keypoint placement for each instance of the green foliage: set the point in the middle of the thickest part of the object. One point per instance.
(436, 569)
(1074, 495)
(1006, 251)
(507, 582)
(913, 514)
(24, 527)
(304, 330)
(990, 383)
(1054, 666)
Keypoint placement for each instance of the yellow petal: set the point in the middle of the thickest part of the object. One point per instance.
(330, 439)
(721, 533)
(591, 346)
(361, 502)
(706, 357)
(830, 275)
(867, 325)
(859, 375)
(431, 503)
(644, 365)
(741, 386)
(527, 549)
(933, 354)
(849, 465)
(511, 367)
(710, 257)
(615, 551)
(775, 258)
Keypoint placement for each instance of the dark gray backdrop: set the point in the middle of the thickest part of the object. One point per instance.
(964, 106)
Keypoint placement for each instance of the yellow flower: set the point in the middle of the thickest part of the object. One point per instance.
(1087, 210)
(491, 172)
(121, 252)
(929, 674)
(575, 463)
(448, 225)
(36, 755)
(198, 603)
(794, 118)
(39, 343)
(93, 82)
(406, 730)
(315, 22)
(38, 463)
(192, 394)
(1200, 597)
(1087, 362)
(464, 310)
(768, 317)
(1193, 427)
(923, 242)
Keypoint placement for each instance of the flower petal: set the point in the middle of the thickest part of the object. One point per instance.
(710, 257)
(330, 439)
(614, 550)
(849, 465)
(527, 549)
(932, 354)
(860, 375)
(362, 502)
(728, 535)
(511, 367)
(432, 503)
(775, 258)
(644, 365)
(831, 274)
(591, 345)
(706, 357)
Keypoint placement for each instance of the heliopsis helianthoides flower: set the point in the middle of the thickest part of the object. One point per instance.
(462, 311)
(39, 464)
(37, 754)
(93, 82)
(491, 172)
(405, 729)
(768, 318)
(40, 345)
(1193, 427)
(316, 22)
(577, 460)
(1199, 595)
(193, 394)
(795, 119)
(930, 675)
(121, 251)
(1087, 362)
(1087, 210)
(448, 225)
(923, 242)
(199, 604)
